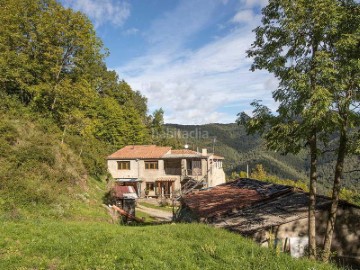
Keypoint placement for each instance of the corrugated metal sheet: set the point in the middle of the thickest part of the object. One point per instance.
(123, 192)
(276, 211)
(247, 205)
(230, 197)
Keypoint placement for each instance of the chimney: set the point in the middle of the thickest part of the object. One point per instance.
(204, 152)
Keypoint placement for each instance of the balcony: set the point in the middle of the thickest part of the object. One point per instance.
(173, 171)
(193, 172)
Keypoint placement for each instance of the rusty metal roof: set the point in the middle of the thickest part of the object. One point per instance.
(219, 200)
(230, 197)
(247, 205)
(123, 192)
(268, 213)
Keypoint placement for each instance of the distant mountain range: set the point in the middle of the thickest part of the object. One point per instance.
(240, 150)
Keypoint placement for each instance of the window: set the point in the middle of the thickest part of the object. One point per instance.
(151, 165)
(217, 163)
(123, 165)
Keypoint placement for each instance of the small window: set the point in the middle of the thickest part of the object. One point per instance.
(123, 165)
(151, 165)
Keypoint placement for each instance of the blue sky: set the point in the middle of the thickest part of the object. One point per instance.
(186, 56)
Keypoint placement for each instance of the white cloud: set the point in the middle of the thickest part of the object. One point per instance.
(244, 16)
(100, 12)
(254, 3)
(197, 86)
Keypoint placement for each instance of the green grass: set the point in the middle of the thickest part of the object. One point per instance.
(153, 206)
(146, 216)
(44, 244)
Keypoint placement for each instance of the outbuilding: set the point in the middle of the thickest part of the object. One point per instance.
(274, 215)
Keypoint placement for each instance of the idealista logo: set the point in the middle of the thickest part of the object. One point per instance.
(196, 133)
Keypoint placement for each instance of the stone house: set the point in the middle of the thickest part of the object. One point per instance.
(160, 171)
(274, 215)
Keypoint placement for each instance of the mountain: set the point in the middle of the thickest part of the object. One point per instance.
(240, 150)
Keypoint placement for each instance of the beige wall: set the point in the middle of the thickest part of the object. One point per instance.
(216, 174)
(137, 170)
(212, 174)
(115, 173)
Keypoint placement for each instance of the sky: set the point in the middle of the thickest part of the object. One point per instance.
(187, 57)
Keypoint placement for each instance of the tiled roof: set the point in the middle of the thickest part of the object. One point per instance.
(184, 152)
(153, 151)
(191, 152)
(140, 151)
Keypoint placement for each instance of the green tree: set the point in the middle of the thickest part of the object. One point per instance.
(293, 43)
(157, 127)
(43, 44)
(53, 62)
(259, 173)
(344, 48)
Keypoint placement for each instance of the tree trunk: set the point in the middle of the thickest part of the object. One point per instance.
(312, 196)
(335, 195)
(63, 135)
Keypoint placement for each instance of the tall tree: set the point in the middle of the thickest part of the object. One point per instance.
(344, 47)
(292, 43)
(53, 62)
(157, 126)
(43, 44)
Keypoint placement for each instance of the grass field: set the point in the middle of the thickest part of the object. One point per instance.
(45, 244)
(163, 208)
(78, 233)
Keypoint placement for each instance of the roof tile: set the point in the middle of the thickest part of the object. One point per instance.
(184, 152)
(153, 151)
(140, 151)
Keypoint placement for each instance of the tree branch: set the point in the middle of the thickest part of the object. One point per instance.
(357, 170)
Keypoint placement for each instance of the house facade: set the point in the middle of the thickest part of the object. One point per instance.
(161, 171)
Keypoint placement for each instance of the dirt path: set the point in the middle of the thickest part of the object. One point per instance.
(155, 213)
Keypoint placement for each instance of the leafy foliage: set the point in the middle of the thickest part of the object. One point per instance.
(62, 111)
(312, 47)
(54, 63)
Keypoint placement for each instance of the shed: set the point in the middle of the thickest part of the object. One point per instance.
(125, 198)
(273, 215)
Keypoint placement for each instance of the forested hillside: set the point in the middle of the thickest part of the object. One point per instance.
(240, 149)
(62, 111)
